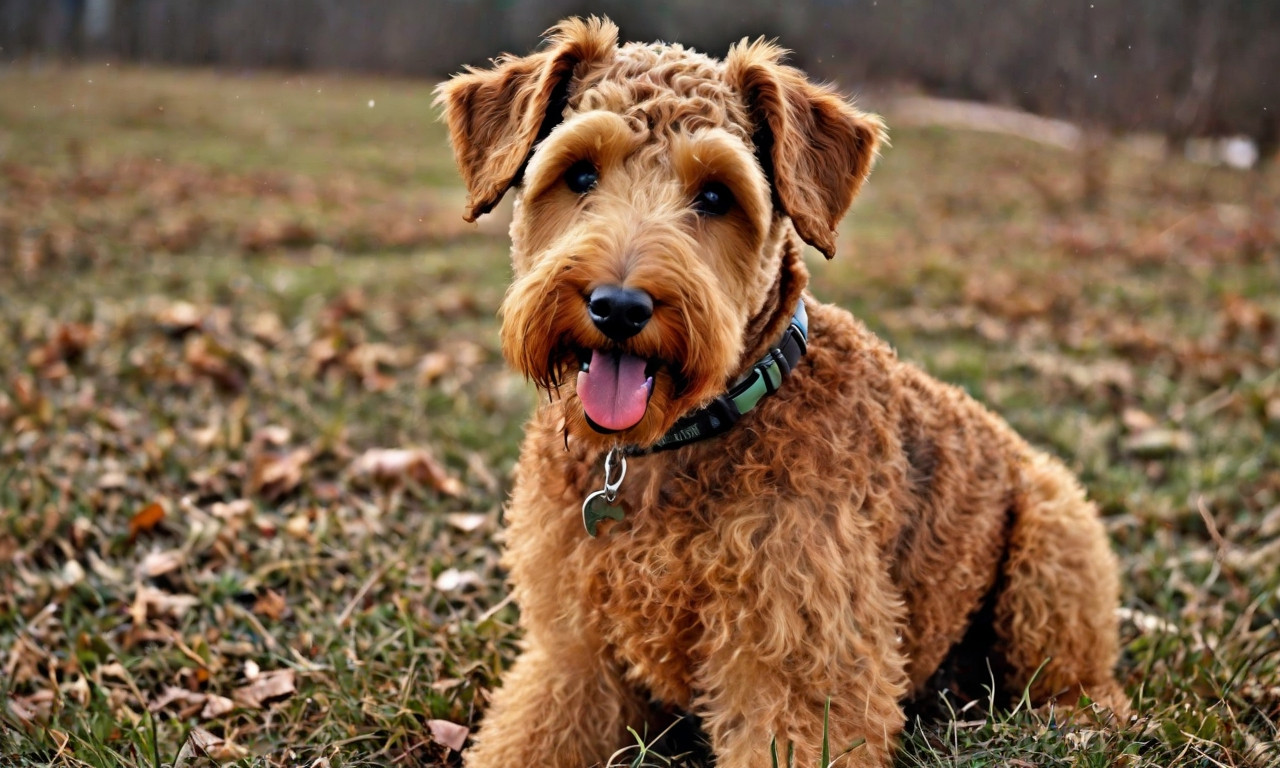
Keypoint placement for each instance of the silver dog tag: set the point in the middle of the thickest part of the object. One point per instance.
(601, 504)
(597, 508)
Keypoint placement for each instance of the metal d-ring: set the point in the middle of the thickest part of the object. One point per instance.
(611, 486)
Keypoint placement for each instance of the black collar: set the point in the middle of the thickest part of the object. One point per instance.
(761, 380)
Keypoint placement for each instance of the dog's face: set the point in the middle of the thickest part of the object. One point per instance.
(659, 195)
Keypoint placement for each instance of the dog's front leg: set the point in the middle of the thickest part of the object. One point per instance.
(809, 623)
(561, 708)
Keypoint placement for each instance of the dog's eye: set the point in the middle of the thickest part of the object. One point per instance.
(581, 177)
(715, 199)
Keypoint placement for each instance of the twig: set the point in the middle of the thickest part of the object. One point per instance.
(489, 614)
(374, 578)
(1218, 541)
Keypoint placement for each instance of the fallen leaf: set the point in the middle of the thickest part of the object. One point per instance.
(232, 510)
(270, 604)
(216, 706)
(453, 580)
(269, 685)
(202, 743)
(299, 525)
(273, 232)
(155, 564)
(267, 328)
(150, 601)
(1156, 443)
(432, 366)
(394, 466)
(178, 318)
(31, 708)
(146, 519)
(451, 735)
(67, 343)
(111, 481)
(1270, 525)
(466, 521)
(72, 573)
(273, 474)
(224, 367)
(1136, 420)
(104, 570)
(273, 434)
(171, 695)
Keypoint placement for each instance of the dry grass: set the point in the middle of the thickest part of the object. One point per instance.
(223, 298)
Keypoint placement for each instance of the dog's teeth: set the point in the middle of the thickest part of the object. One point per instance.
(584, 366)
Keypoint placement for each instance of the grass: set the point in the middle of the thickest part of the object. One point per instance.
(222, 296)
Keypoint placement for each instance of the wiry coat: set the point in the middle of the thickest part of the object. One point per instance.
(843, 537)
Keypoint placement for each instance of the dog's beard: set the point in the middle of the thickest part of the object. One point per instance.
(631, 391)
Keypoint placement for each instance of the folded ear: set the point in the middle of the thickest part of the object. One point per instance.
(815, 147)
(496, 116)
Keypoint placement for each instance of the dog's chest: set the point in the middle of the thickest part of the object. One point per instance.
(647, 589)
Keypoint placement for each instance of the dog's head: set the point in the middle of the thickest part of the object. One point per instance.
(661, 196)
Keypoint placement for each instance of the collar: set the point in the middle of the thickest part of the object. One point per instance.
(761, 380)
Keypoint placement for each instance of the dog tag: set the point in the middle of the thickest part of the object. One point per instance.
(597, 508)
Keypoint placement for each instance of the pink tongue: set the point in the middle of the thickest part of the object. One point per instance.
(615, 391)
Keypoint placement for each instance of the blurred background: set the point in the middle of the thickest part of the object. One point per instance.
(1179, 68)
(256, 431)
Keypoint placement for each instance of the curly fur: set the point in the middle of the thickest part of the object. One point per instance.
(841, 540)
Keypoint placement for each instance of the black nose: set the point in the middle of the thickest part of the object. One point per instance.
(618, 312)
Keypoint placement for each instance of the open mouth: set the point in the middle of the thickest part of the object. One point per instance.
(614, 388)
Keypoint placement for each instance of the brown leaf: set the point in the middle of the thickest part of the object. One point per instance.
(269, 685)
(395, 466)
(202, 743)
(67, 343)
(178, 318)
(273, 474)
(451, 735)
(232, 510)
(177, 699)
(267, 328)
(150, 601)
(299, 526)
(432, 366)
(270, 604)
(155, 564)
(1136, 420)
(273, 434)
(229, 371)
(111, 481)
(216, 706)
(268, 233)
(1156, 443)
(145, 519)
(31, 708)
(1244, 318)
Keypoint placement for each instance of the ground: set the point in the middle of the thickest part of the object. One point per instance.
(255, 433)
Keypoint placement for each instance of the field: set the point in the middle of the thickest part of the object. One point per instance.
(256, 433)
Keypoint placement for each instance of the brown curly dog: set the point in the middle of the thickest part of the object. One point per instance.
(803, 517)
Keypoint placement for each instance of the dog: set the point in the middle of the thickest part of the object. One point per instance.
(735, 501)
